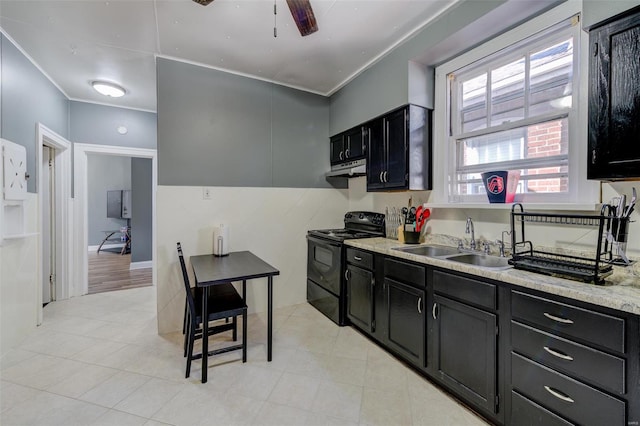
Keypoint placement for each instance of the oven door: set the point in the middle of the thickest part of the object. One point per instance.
(324, 263)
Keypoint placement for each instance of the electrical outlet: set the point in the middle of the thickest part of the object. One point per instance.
(206, 193)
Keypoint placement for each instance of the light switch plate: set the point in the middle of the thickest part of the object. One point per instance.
(15, 171)
(206, 193)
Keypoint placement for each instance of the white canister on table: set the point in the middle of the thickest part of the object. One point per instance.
(221, 240)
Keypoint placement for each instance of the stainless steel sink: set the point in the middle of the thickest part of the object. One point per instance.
(429, 250)
(483, 260)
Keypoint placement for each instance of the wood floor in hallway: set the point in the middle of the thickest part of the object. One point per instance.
(110, 271)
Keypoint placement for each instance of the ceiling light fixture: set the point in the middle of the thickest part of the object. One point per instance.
(108, 89)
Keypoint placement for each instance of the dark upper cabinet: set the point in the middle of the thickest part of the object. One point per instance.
(399, 155)
(354, 144)
(347, 146)
(376, 155)
(337, 149)
(614, 99)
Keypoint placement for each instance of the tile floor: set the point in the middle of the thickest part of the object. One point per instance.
(98, 360)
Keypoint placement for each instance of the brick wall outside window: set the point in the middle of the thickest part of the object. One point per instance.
(544, 140)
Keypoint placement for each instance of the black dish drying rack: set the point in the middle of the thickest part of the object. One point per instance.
(587, 269)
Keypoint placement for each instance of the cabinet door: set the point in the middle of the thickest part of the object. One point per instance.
(614, 100)
(376, 157)
(465, 351)
(337, 149)
(406, 321)
(360, 307)
(396, 133)
(354, 144)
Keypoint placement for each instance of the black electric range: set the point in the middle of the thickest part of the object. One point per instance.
(326, 261)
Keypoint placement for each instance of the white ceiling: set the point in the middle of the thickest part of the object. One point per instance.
(75, 42)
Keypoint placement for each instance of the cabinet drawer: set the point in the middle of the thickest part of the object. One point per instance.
(465, 289)
(525, 412)
(407, 273)
(361, 258)
(563, 395)
(568, 357)
(589, 326)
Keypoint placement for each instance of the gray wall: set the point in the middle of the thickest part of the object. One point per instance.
(105, 173)
(142, 211)
(594, 11)
(395, 80)
(221, 129)
(28, 97)
(98, 124)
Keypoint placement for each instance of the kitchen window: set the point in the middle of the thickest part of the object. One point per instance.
(516, 108)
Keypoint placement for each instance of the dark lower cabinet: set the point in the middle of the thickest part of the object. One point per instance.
(406, 321)
(571, 364)
(516, 356)
(360, 297)
(527, 413)
(576, 401)
(464, 344)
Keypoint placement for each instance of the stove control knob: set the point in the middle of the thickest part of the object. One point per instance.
(348, 215)
(361, 216)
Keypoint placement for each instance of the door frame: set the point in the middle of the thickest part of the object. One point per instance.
(80, 179)
(63, 220)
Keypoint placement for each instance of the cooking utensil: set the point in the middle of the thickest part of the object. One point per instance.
(419, 211)
(621, 205)
(632, 203)
(424, 215)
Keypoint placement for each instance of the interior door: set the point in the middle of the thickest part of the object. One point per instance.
(48, 225)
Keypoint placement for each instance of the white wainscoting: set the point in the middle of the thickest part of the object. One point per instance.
(270, 222)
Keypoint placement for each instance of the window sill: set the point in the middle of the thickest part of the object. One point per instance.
(586, 207)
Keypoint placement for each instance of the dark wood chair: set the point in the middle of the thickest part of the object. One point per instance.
(224, 302)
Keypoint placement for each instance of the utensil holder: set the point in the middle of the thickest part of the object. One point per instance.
(411, 237)
(620, 233)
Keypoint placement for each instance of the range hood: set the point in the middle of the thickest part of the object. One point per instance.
(350, 169)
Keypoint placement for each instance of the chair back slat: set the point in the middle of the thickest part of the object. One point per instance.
(187, 286)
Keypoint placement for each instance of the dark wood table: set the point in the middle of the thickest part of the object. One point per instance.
(210, 270)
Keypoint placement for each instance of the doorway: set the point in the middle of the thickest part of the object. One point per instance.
(47, 195)
(54, 217)
(118, 222)
(81, 153)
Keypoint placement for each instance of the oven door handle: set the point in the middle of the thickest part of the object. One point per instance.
(323, 242)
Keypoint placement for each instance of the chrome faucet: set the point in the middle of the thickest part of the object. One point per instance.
(469, 230)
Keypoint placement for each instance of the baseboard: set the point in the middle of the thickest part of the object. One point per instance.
(141, 265)
(106, 246)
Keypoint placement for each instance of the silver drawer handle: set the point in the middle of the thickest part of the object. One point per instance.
(419, 305)
(357, 258)
(433, 311)
(558, 394)
(557, 319)
(346, 275)
(558, 354)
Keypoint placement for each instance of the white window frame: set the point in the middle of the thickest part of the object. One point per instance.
(581, 191)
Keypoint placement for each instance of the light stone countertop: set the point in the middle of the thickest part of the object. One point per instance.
(621, 290)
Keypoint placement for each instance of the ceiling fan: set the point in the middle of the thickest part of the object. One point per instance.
(300, 10)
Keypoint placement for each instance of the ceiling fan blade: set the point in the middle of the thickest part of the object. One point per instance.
(303, 16)
(203, 2)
